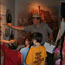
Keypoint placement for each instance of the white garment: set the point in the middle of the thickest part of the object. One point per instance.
(61, 30)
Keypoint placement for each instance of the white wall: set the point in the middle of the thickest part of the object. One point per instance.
(24, 5)
(9, 4)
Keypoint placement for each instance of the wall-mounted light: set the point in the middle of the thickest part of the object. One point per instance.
(36, 6)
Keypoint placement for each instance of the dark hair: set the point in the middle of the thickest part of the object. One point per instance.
(14, 45)
(29, 39)
(37, 36)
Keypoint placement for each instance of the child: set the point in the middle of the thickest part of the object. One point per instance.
(37, 54)
(57, 57)
(12, 57)
(24, 51)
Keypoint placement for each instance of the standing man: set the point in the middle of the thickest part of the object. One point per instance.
(37, 26)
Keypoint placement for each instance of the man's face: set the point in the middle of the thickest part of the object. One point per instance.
(36, 20)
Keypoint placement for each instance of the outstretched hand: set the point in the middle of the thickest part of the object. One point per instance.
(15, 27)
(12, 41)
(9, 24)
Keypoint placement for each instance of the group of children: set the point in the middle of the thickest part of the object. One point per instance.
(32, 54)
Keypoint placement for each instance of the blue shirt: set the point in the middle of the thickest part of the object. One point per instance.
(24, 52)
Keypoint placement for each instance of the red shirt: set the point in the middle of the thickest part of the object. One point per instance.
(12, 57)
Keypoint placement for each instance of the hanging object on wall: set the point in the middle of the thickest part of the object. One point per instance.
(8, 16)
(7, 32)
(39, 9)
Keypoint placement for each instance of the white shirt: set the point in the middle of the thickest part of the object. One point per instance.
(61, 30)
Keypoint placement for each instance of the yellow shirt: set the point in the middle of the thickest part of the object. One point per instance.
(36, 56)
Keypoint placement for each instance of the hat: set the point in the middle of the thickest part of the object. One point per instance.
(36, 15)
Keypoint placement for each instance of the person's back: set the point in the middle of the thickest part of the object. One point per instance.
(11, 57)
(37, 54)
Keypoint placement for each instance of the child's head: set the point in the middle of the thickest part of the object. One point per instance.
(13, 44)
(36, 38)
(27, 41)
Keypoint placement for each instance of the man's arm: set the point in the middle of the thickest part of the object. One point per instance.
(15, 27)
